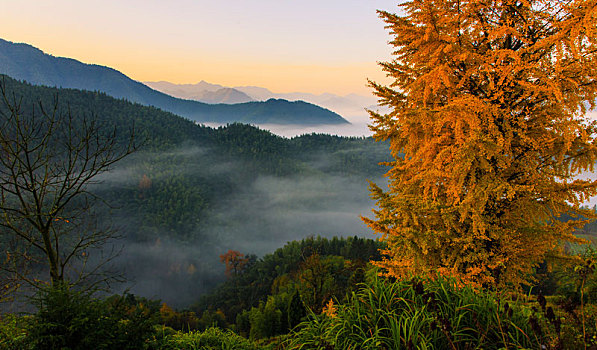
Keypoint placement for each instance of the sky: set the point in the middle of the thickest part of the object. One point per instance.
(285, 45)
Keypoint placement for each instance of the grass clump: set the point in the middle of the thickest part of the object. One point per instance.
(418, 314)
(212, 338)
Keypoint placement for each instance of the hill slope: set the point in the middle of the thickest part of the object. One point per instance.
(193, 192)
(25, 62)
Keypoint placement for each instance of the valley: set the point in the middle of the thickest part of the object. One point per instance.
(193, 192)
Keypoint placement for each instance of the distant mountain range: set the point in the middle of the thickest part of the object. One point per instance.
(348, 105)
(25, 62)
(202, 92)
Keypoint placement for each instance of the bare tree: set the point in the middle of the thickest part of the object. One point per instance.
(49, 160)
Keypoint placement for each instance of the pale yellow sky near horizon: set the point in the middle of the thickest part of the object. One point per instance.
(283, 45)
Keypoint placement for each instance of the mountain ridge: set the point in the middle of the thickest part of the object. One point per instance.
(27, 63)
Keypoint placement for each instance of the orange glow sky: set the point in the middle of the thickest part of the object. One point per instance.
(284, 45)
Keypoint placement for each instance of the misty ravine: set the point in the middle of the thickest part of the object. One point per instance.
(258, 215)
(192, 192)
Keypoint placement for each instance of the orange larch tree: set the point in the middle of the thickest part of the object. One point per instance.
(488, 135)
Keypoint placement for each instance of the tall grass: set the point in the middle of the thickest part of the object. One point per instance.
(212, 338)
(418, 314)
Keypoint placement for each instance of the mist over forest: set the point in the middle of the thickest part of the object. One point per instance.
(258, 214)
(263, 216)
(192, 192)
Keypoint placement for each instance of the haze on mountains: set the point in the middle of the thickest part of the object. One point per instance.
(348, 105)
(24, 62)
(194, 192)
(202, 92)
(352, 107)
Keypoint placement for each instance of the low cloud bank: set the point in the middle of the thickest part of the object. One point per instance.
(263, 216)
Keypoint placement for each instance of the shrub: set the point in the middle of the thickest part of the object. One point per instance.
(70, 319)
(13, 333)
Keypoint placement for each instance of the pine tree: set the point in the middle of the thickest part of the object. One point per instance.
(296, 310)
(487, 131)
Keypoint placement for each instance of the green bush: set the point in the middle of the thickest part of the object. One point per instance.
(418, 314)
(13, 333)
(68, 319)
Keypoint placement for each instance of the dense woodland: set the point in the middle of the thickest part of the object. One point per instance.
(175, 190)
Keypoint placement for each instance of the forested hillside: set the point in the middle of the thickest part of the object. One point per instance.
(192, 192)
(318, 269)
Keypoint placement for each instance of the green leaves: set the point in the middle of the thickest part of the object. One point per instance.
(418, 314)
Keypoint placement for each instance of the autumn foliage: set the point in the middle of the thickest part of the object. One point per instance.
(487, 131)
(235, 262)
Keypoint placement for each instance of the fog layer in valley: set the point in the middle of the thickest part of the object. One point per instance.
(256, 217)
(273, 211)
(357, 128)
(265, 216)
